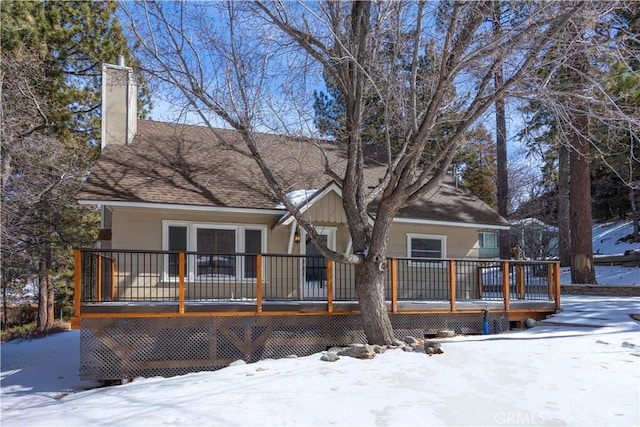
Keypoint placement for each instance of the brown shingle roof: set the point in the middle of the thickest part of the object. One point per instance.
(193, 165)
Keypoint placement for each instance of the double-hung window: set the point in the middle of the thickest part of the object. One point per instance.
(425, 246)
(221, 250)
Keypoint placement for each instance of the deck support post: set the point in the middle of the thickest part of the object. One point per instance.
(550, 283)
(452, 284)
(113, 280)
(259, 283)
(99, 281)
(181, 283)
(330, 285)
(505, 284)
(520, 282)
(77, 282)
(394, 285)
(556, 278)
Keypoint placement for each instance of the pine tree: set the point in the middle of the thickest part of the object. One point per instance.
(475, 162)
(52, 53)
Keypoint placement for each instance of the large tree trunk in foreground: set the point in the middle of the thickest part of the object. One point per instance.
(564, 227)
(502, 180)
(369, 280)
(582, 269)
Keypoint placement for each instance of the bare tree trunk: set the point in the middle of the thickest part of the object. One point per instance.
(564, 226)
(634, 213)
(501, 147)
(369, 281)
(582, 269)
(4, 306)
(42, 298)
(46, 299)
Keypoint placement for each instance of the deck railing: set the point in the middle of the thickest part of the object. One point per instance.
(124, 276)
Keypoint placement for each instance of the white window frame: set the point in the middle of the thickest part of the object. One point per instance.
(192, 244)
(443, 246)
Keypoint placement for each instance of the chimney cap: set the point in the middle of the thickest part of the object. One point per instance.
(120, 61)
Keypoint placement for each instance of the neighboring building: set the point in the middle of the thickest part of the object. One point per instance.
(531, 238)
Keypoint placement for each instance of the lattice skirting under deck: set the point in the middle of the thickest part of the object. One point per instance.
(122, 348)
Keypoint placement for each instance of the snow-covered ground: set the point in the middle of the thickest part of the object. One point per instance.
(582, 368)
(606, 238)
(608, 275)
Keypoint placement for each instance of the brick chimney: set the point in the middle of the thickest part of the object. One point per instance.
(119, 104)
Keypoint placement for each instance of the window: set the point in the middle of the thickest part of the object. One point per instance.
(488, 244)
(488, 239)
(217, 247)
(425, 246)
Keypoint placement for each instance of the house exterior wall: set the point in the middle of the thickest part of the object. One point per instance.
(462, 242)
(142, 229)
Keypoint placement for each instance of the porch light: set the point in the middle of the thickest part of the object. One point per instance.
(296, 238)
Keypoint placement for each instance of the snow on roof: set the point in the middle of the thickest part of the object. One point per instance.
(298, 197)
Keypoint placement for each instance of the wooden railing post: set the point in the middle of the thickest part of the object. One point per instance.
(77, 282)
(452, 284)
(330, 285)
(181, 273)
(113, 280)
(394, 285)
(505, 284)
(556, 284)
(520, 282)
(550, 283)
(259, 283)
(99, 281)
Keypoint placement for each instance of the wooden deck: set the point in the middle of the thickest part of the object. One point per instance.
(148, 313)
(134, 284)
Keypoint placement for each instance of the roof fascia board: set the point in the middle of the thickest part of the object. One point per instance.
(451, 223)
(181, 207)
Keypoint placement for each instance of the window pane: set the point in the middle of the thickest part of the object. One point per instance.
(426, 248)
(216, 241)
(253, 241)
(177, 238)
(488, 240)
(252, 245)
(216, 248)
(177, 242)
